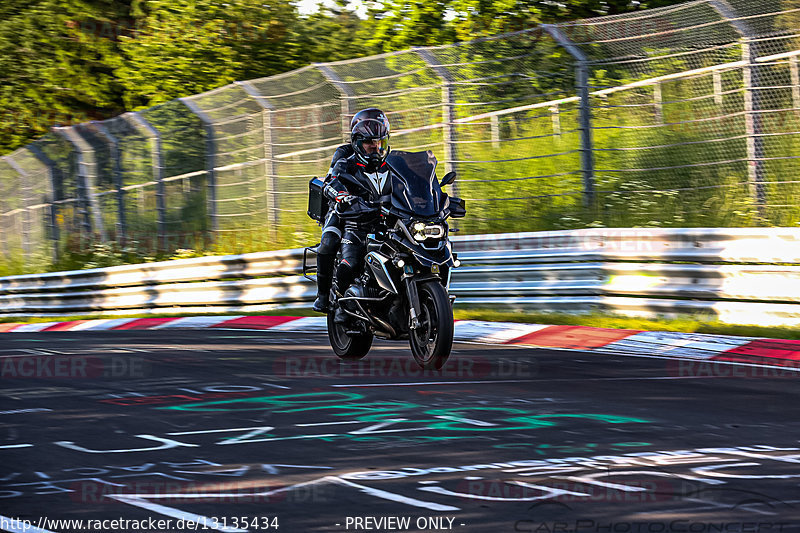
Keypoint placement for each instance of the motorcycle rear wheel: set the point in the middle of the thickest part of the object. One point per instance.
(348, 347)
(432, 342)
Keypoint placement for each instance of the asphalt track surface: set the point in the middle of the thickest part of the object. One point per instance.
(249, 430)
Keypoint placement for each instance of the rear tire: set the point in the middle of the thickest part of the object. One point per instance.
(348, 347)
(432, 342)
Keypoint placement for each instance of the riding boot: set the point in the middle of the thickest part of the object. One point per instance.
(324, 279)
(322, 303)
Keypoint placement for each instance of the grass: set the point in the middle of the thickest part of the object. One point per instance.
(684, 324)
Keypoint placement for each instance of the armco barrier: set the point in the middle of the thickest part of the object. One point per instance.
(739, 275)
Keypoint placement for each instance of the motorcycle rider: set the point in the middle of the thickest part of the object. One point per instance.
(329, 241)
(333, 227)
(365, 176)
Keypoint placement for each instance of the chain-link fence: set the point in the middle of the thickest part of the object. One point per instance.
(684, 116)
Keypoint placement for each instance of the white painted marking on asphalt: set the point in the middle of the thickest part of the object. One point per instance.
(165, 445)
(466, 420)
(436, 383)
(203, 431)
(16, 446)
(303, 466)
(395, 497)
(32, 351)
(276, 386)
(711, 470)
(746, 507)
(202, 521)
(569, 380)
(195, 495)
(338, 422)
(550, 492)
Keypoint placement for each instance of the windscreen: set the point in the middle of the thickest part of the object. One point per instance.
(415, 188)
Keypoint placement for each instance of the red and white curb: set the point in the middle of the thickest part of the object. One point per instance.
(695, 346)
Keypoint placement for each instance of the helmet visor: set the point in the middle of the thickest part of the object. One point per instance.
(371, 145)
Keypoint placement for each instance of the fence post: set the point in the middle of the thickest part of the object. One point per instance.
(87, 173)
(795, 76)
(555, 119)
(211, 151)
(113, 149)
(716, 77)
(140, 123)
(494, 124)
(346, 94)
(25, 189)
(752, 107)
(658, 103)
(4, 230)
(448, 110)
(269, 152)
(582, 87)
(56, 194)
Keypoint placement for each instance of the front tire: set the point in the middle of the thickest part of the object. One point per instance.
(348, 347)
(432, 342)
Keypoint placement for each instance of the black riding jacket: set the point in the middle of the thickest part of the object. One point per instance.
(351, 177)
(343, 152)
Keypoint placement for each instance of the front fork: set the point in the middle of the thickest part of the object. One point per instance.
(413, 299)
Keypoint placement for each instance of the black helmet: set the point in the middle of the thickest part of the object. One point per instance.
(370, 126)
(371, 112)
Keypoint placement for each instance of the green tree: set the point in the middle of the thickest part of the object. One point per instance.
(399, 24)
(331, 34)
(55, 65)
(396, 25)
(184, 47)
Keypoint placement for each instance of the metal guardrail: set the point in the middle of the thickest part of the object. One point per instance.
(738, 275)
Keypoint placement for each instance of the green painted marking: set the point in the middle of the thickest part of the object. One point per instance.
(390, 408)
(335, 404)
(263, 403)
(543, 449)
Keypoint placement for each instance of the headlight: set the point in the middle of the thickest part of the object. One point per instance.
(424, 231)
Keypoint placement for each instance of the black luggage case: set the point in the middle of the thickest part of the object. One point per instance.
(317, 204)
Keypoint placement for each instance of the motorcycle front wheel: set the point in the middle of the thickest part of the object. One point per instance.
(432, 341)
(348, 347)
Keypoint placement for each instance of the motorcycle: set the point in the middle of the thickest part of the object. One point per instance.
(401, 291)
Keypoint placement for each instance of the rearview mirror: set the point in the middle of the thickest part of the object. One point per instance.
(448, 178)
